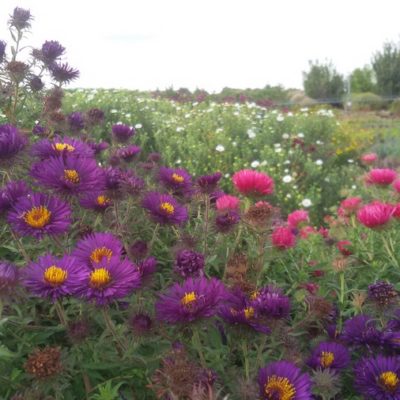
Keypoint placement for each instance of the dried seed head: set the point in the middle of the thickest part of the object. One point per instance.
(44, 363)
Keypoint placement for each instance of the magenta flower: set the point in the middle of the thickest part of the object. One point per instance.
(54, 277)
(253, 183)
(297, 217)
(283, 238)
(98, 248)
(69, 175)
(164, 209)
(227, 202)
(190, 301)
(369, 158)
(375, 214)
(381, 176)
(38, 215)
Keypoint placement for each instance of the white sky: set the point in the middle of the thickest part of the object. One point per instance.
(149, 44)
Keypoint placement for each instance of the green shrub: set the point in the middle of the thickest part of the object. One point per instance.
(367, 102)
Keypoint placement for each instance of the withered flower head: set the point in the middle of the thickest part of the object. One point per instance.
(21, 18)
(319, 307)
(259, 214)
(44, 363)
(340, 264)
(53, 101)
(17, 70)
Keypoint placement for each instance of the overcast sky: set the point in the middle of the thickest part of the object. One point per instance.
(209, 44)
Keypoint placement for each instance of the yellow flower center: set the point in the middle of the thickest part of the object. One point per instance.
(327, 358)
(99, 278)
(37, 217)
(167, 207)
(249, 312)
(279, 388)
(99, 254)
(55, 276)
(177, 178)
(102, 200)
(71, 175)
(254, 295)
(63, 146)
(389, 380)
(188, 298)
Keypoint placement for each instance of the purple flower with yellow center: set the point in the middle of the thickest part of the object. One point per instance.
(54, 277)
(11, 141)
(237, 310)
(128, 153)
(38, 215)
(177, 180)
(69, 175)
(61, 146)
(226, 221)
(271, 302)
(282, 380)
(122, 133)
(329, 355)
(164, 209)
(111, 280)
(9, 278)
(208, 183)
(189, 263)
(63, 73)
(98, 248)
(361, 330)
(75, 121)
(98, 202)
(378, 378)
(190, 301)
(10, 193)
(51, 50)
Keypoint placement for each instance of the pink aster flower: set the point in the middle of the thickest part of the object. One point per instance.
(227, 202)
(396, 185)
(369, 158)
(297, 217)
(249, 182)
(344, 247)
(375, 214)
(349, 206)
(381, 176)
(283, 238)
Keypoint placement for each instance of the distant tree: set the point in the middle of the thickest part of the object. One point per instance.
(386, 65)
(363, 80)
(322, 81)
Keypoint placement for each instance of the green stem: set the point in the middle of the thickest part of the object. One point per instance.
(246, 360)
(61, 313)
(120, 345)
(206, 223)
(198, 346)
(342, 288)
(153, 238)
(21, 247)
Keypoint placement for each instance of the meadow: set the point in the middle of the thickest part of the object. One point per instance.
(158, 249)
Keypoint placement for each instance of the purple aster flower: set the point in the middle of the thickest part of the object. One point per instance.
(95, 116)
(154, 157)
(378, 378)
(382, 293)
(271, 302)
(111, 280)
(36, 83)
(131, 184)
(164, 209)
(140, 324)
(147, 267)
(177, 180)
(63, 73)
(38, 215)
(329, 355)
(215, 195)
(38, 130)
(391, 339)
(57, 146)
(114, 178)
(11, 141)
(189, 263)
(208, 183)
(10, 193)
(98, 202)
(51, 50)
(190, 301)
(139, 249)
(238, 311)
(69, 175)
(3, 45)
(128, 153)
(75, 121)
(9, 278)
(122, 133)
(282, 380)
(98, 248)
(54, 277)
(98, 147)
(394, 323)
(226, 221)
(21, 18)
(361, 330)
